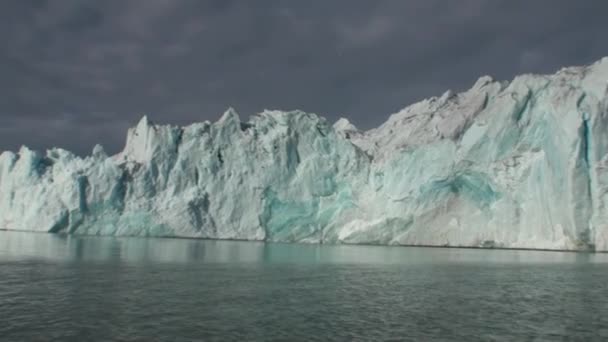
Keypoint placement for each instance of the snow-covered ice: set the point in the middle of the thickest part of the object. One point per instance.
(521, 164)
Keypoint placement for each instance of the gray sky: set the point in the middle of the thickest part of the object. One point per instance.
(78, 72)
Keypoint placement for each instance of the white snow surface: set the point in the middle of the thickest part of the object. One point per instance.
(513, 165)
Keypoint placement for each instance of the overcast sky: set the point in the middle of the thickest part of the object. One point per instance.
(77, 72)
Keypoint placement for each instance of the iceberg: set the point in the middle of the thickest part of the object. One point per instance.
(520, 164)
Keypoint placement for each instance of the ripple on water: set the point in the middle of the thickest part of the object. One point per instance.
(100, 289)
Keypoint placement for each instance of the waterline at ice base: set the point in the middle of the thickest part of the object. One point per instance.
(520, 164)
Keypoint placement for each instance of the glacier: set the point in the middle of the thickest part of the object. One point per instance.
(520, 164)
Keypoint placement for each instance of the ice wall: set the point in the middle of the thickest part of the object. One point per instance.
(515, 165)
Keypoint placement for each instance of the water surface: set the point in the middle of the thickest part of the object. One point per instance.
(58, 288)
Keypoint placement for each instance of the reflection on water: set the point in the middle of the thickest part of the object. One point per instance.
(136, 289)
(19, 245)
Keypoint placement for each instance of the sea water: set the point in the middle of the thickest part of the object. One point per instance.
(68, 288)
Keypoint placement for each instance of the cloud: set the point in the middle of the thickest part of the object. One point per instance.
(105, 63)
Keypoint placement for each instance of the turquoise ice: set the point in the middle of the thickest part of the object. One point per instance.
(521, 164)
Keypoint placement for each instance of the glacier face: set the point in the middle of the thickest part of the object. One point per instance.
(521, 164)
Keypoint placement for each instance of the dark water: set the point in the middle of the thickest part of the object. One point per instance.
(55, 288)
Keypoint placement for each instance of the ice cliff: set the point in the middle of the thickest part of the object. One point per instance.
(521, 164)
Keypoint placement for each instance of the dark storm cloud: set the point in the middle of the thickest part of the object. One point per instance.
(77, 72)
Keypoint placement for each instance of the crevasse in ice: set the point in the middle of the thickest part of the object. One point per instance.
(515, 165)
